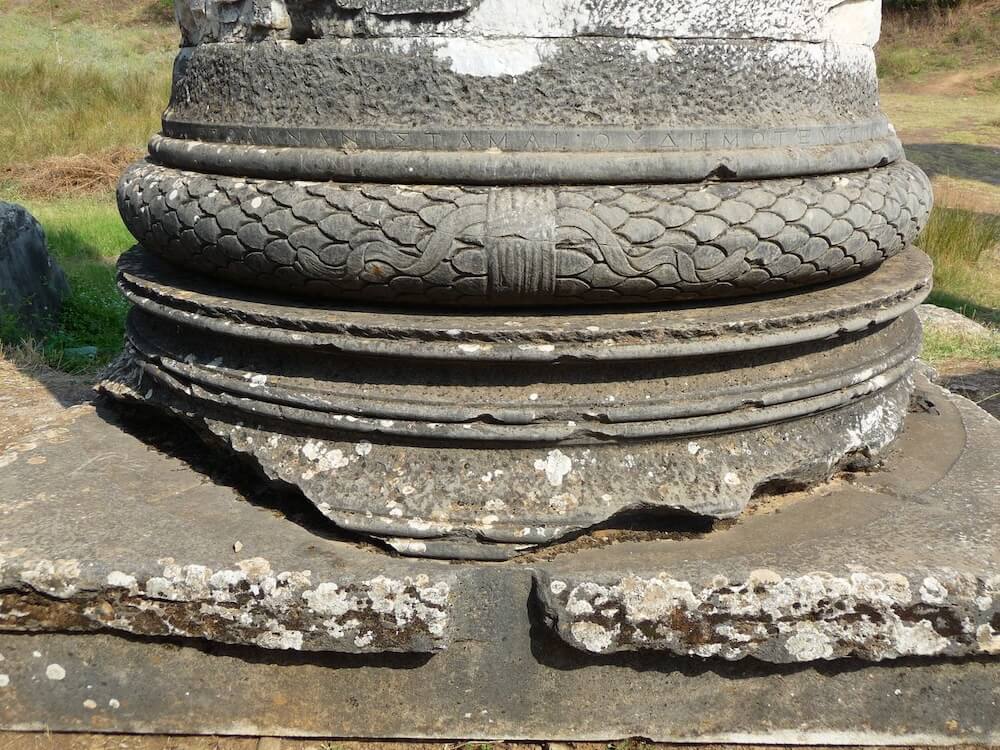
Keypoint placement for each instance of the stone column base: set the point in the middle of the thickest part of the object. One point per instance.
(139, 594)
(482, 435)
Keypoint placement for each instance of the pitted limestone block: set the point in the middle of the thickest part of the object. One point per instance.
(774, 618)
(783, 108)
(526, 246)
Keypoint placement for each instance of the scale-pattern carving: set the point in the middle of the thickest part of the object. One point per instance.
(419, 244)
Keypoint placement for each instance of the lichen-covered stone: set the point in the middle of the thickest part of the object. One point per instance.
(776, 618)
(248, 604)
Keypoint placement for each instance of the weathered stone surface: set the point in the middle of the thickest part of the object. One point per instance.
(662, 152)
(473, 246)
(116, 536)
(779, 619)
(485, 690)
(32, 286)
(486, 92)
(791, 110)
(836, 588)
(398, 425)
(230, 20)
(943, 320)
(801, 20)
(248, 604)
(152, 552)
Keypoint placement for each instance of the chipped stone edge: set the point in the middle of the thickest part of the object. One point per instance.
(872, 616)
(248, 604)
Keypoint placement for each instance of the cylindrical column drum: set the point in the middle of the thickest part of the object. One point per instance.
(478, 275)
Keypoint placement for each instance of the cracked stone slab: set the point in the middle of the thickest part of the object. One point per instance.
(896, 563)
(102, 533)
(932, 508)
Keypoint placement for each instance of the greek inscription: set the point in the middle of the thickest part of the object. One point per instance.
(533, 140)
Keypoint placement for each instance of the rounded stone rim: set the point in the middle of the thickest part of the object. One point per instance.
(894, 288)
(256, 394)
(521, 168)
(455, 246)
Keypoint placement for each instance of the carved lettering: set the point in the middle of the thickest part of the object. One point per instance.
(531, 140)
(668, 141)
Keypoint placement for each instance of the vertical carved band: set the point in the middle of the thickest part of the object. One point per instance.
(520, 243)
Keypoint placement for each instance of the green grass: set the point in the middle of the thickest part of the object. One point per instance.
(76, 89)
(930, 37)
(91, 78)
(941, 347)
(85, 236)
(965, 277)
(910, 62)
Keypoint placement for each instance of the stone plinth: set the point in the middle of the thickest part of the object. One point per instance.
(551, 368)
(145, 582)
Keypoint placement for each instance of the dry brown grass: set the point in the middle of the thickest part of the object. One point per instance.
(97, 12)
(70, 176)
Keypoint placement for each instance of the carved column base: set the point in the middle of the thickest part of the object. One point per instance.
(480, 435)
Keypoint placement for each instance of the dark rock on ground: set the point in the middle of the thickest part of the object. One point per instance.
(32, 286)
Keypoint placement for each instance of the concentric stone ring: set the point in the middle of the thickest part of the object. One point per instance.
(530, 245)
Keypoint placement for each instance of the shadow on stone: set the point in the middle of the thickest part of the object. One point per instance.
(173, 438)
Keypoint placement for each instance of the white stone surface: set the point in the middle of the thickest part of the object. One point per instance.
(842, 21)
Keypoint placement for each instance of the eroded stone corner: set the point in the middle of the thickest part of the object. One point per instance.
(248, 604)
(777, 618)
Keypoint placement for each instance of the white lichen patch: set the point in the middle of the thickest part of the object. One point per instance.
(556, 466)
(325, 459)
(251, 604)
(781, 619)
(58, 578)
